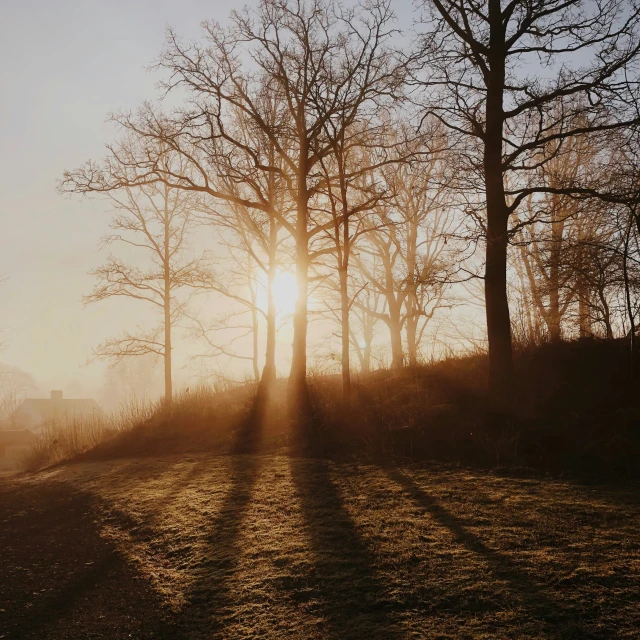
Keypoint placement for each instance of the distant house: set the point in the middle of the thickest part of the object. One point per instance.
(35, 413)
(14, 445)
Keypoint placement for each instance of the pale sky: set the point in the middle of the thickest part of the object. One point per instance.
(65, 65)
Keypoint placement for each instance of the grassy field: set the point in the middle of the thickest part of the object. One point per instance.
(282, 547)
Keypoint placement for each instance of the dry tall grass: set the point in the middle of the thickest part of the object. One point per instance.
(62, 439)
(577, 407)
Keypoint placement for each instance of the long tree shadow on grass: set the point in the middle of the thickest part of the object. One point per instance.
(211, 602)
(543, 611)
(59, 578)
(343, 587)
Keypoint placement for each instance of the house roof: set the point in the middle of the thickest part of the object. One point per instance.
(36, 411)
(16, 437)
(45, 405)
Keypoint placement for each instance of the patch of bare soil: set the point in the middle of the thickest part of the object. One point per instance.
(253, 546)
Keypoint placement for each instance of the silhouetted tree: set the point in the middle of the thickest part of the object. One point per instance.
(480, 61)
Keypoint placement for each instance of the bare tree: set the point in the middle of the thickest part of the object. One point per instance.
(553, 223)
(362, 330)
(478, 59)
(307, 54)
(378, 260)
(352, 192)
(249, 267)
(428, 232)
(624, 163)
(257, 231)
(405, 253)
(594, 260)
(154, 219)
(15, 386)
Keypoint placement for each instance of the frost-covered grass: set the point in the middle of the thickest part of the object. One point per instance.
(283, 547)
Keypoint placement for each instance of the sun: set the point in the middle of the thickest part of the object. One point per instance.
(285, 292)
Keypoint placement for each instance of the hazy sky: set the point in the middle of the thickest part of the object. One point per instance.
(65, 65)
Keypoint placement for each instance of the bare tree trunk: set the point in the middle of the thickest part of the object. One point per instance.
(298, 400)
(298, 374)
(498, 321)
(168, 382)
(395, 334)
(606, 314)
(256, 367)
(269, 371)
(627, 294)
(366, 352)
(255, 327)
(554, 314)
(412, 330)
(298, 392)
(584, 312)
(554, 296)
(497, 305)
(344, 310)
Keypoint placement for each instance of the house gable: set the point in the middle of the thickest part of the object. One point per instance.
(36, 412)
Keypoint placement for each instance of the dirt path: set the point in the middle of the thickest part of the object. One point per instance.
(277, 547)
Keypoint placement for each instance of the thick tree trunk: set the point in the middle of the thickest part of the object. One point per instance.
(299, 404)
(298, 392)
(497, 305)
